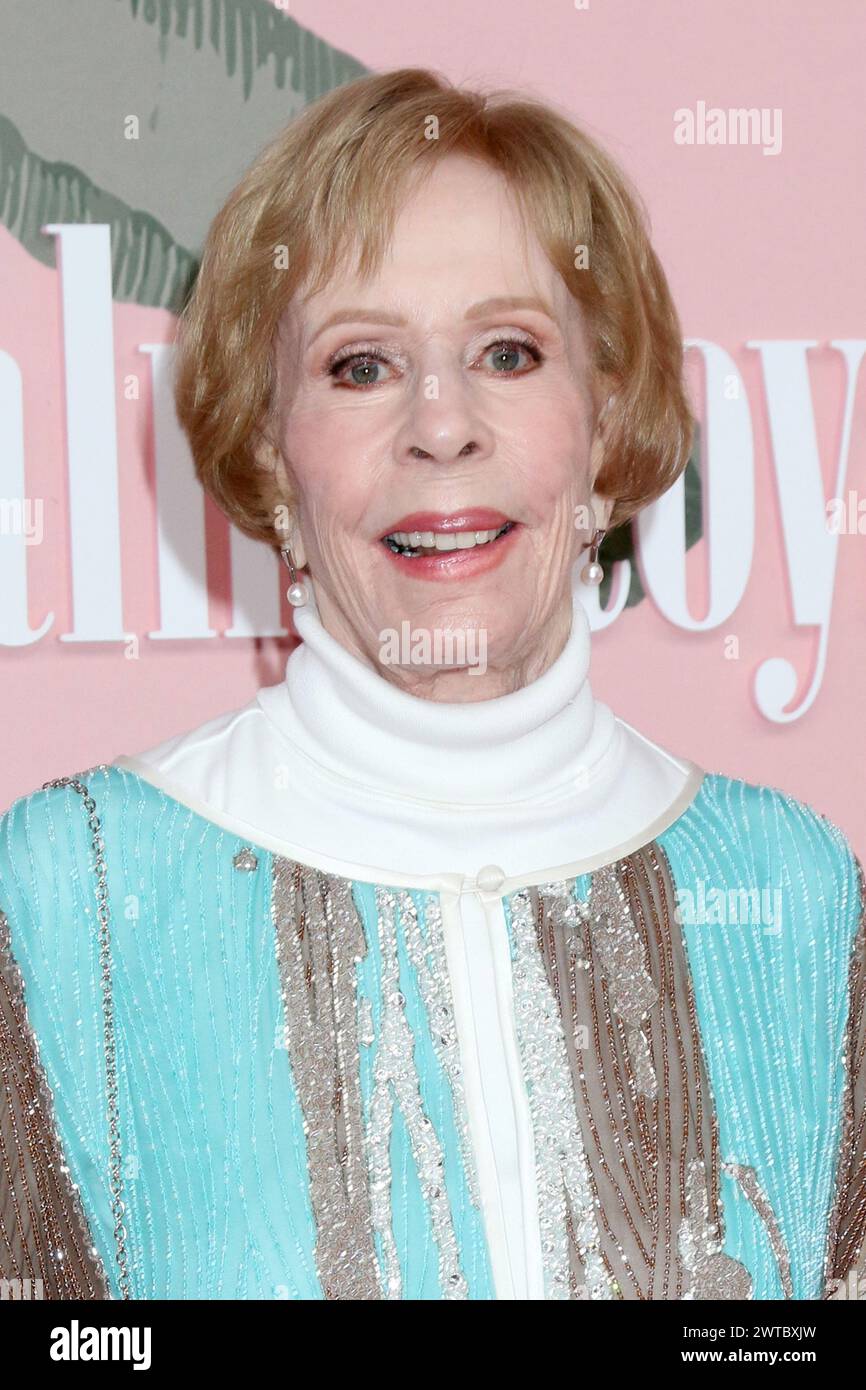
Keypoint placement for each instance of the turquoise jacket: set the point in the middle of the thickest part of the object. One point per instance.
(288, 1119)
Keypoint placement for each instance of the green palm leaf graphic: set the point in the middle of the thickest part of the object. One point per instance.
(208, 82)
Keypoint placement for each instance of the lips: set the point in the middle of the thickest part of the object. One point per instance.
(421, 535)
(473, 519)
(447, 546)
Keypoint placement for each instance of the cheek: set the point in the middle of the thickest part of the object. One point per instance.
(334, 478)
(553, 456)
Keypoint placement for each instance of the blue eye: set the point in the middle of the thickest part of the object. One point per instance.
(509, 348)
(344, 368)
(357, 361)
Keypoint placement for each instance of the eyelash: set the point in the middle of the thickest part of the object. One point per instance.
(371, 352)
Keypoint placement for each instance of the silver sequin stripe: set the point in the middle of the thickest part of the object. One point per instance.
(714, 1275)
(395, 1079)
(430, 962)
(617, 941)
(748, 1180)
(561, 1163)
(109, 1040)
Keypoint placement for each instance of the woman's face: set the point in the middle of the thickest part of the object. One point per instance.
(445, 397)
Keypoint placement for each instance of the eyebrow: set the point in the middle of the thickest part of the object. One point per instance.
(484, 307)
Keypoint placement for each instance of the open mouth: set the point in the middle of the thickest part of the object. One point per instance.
(414, 544)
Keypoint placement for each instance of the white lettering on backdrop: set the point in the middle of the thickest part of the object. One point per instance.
(84, 267)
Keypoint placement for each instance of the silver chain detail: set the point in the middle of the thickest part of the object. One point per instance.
(109, 1041)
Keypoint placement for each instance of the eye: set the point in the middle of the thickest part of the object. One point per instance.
(364, 360)
(505, 350)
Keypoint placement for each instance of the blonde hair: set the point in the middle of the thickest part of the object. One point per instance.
(330, 184)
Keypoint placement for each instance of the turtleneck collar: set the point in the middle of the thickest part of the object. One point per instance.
(510, 749)
(341, 769)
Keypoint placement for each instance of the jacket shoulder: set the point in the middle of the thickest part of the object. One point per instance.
(46, 840)
(745, 837)
(773, 829)
(37, 817)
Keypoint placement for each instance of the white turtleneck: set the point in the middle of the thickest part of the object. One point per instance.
(340, 769)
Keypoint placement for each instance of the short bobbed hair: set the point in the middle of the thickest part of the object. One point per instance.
(327, 190)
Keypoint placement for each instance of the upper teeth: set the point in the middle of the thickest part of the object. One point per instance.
(438, 540)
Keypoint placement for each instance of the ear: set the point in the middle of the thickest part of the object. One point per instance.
(269, 458)
(601, 504)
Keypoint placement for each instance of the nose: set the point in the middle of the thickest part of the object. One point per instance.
(444, 421)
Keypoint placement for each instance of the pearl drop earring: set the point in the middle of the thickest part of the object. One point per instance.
(297, 593)
(592, 572)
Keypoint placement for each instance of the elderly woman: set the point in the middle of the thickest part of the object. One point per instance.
(423, 975)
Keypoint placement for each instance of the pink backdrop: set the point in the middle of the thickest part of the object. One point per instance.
(756, 247)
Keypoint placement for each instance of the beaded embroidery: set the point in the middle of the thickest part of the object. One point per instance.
(565, 1198)
(846, 1236)
(748, 1180)
(427, 953)
(318, 941)
(615, 939)
(714, 1275)
(614, 967)
(44, 1233)
(396, 1081)
(625, 1133)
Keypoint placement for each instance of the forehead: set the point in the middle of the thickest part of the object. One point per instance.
(458, 238)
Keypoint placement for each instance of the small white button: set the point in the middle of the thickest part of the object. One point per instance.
(490, 878)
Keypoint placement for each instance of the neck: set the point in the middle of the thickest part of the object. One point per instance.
(477, 677)
(547, 734)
